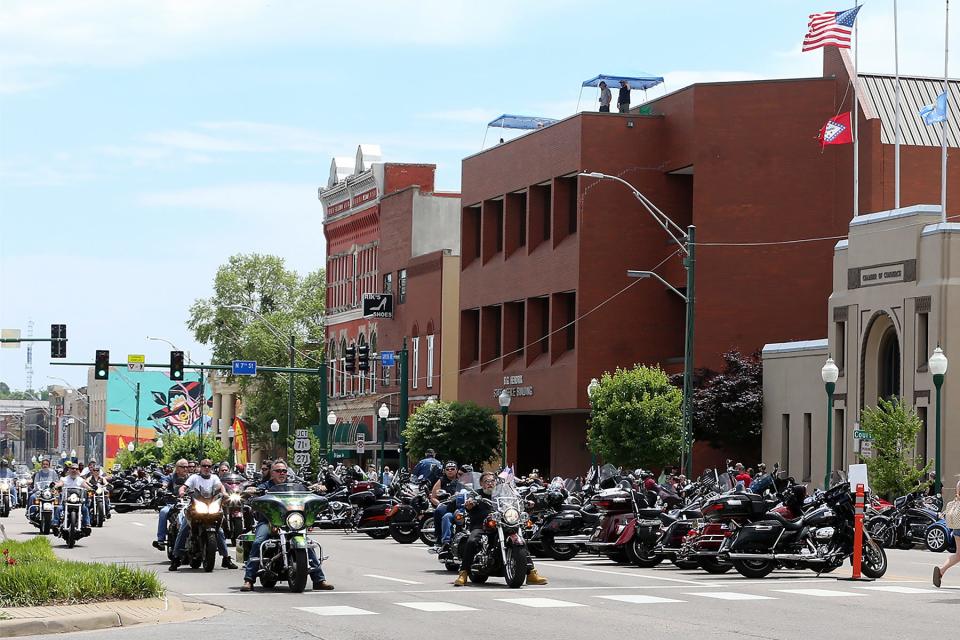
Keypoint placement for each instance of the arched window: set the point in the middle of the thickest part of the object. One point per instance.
(360, 376)
(888, 376)
(374, 360)
(332, 368)
(342, 366)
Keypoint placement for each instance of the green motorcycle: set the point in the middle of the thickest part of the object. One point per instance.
(289, 508)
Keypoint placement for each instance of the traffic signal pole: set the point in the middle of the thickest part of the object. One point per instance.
(293, 364)
(404, 402)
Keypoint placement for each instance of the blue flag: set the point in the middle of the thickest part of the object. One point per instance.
(936, 112)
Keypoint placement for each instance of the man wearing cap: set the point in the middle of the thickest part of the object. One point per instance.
(449, 483)
(72, 481)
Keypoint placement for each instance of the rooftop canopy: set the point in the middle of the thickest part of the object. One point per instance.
(640, 82)
(507, 121)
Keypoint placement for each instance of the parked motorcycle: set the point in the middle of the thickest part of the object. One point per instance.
(629, 525)
(290, 510)
(564, 531)
(939, 537)
(906, 523)
(71, 528)
(412, 514)
(821, 539)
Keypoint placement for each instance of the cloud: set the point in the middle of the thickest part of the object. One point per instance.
(279, 202)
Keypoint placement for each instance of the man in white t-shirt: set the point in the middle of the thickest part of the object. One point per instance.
(207, 484)
(72, 481)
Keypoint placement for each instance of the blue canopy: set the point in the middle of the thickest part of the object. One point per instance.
(642, 82)
(507, 121)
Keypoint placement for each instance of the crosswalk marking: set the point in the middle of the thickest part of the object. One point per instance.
(540, 602)
(374, 575)
(731, 595)
(435, 606)
(822, 593)
(894, 589)
(637, 599)
(337, 611)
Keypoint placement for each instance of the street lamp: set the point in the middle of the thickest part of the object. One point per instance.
(159, 443)
(130, 447)
(591, 391)
(231, 433)
(275, 428)
(830, 373)
(687, 243)
(431, 400)
(331, 422)
(938, 367)
(504, 400)
(383, 412)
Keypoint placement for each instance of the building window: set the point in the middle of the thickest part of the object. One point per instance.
(785, 441)
(401, 286)
(921, 454)
(841, 343)
(807, 447)
(343, 367)
(564, 312)
(430, 362)
(374, 361)
(361, 377)
(469, 337)
(923, 340)
(388, 282)
(416, 362)
(839, 441)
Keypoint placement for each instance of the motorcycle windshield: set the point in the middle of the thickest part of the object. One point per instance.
(573, 485)
(289, 487)
(506, 497)
(608, 471)
(470, 480)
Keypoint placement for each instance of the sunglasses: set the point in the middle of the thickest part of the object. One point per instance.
(279, 470)
(205, 466)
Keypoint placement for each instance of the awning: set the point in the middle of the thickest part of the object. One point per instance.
(508, 121)
(341, 433)
(635, 82)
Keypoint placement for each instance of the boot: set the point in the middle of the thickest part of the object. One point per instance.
(228, 563)
(461, 579)
(322, 585)
(535, 578)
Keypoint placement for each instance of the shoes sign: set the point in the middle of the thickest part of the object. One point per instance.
(378, 305)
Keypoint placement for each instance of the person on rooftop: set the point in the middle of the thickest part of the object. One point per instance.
(605, 97)
(623, 98)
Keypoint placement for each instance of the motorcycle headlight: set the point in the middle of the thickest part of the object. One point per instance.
(46, 494)
(200, 507)
(214, 506)
(234, 498)
(511, 516)
(295, 521)
(73, 498)
(99, 491)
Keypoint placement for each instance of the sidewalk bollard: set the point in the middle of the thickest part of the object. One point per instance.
(858, 537)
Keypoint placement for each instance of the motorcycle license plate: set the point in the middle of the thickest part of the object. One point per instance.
(47, 506)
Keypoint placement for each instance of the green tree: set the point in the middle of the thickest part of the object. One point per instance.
(143, 454)
(285, 304)
(637, 418)
(728, 405)
(461, 431)
(892, 468)
(188, 447)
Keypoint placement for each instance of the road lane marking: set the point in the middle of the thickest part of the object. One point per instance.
(138, 524)
(435, 606)
(632, 575)
(373, 575)
(732, 595)
(822, 593)
(632, 599)
(541, 603)
(892, 589)
(337, 611)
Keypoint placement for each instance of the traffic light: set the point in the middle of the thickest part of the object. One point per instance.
(101, 370)
(58, 342)
(176, 365)
(363, 358)
(350, 355)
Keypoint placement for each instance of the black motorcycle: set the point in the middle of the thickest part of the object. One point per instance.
(567, 526)
(821, 539)
(503, 551)
(71, 528)
(905, 525)
(204, 516)
(414, 513)
(40, 513)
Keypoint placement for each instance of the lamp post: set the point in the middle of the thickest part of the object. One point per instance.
(159, 443)
(231, 433)
(687, 243)
(130, 447)
(504, 400)
(331, 423)
(383, 412)
(938, 367)
(591, 390)
(829, 373)
(275, 429)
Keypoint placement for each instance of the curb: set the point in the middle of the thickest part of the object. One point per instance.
(175, 610)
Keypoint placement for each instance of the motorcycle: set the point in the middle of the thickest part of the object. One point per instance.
(204, 516)
(905, 524)
(23, 488)
(290, 509)
(939, 537)
(40, 513)
(629, 526)
(98, 505)
(6, 496)
(128, 494)
(413, 514)
(238, 518)
(563, 532)
(821, 539)
(71, 523)
(503, 551)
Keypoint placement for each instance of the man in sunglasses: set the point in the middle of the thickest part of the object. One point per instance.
(449, 483)
(171, 483)
(278, 475)
(207, 484)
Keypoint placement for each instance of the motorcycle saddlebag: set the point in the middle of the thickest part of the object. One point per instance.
(763, 534)
(564, 523)
(405, 514)
(363, 498)
(738, 505)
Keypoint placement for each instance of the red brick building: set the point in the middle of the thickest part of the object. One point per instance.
(545, 301)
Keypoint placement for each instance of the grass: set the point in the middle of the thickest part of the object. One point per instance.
(32, 576)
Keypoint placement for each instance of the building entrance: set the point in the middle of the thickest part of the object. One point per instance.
(533, 445)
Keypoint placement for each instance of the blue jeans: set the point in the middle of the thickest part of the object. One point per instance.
(446, 527)
(261, 533)
(84, 515)
(184, 533)
(162, 523)
(438, 514)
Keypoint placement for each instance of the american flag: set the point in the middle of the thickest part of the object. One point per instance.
(832, 28)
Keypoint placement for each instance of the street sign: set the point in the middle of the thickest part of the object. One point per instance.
(862, 435)
(866, 448)
(244, 367)
(11, 338)
(378, 305)
(361, 444)
(301, 448)
(135, 362)
(388, 358)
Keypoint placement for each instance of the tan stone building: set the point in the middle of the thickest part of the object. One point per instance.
(896, 296)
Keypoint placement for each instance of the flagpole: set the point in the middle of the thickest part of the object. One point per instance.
(946, 120)
(855, 117)
(896, 70)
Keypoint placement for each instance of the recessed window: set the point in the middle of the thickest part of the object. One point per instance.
(401, 286)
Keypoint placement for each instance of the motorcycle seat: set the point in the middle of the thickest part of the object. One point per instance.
(789, 525)
(569, 507)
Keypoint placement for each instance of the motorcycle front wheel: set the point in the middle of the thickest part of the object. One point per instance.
(236, 529)
(754, 568)
(45, 524)
(298, 570)
(210, 552)
(714, 566)
(428, 533)
(642, 554)
(404, 533)
(874, 563)
(515, 569)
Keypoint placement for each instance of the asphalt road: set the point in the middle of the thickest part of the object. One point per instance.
(388, 590)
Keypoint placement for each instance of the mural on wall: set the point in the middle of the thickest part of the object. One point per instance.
(166, 407)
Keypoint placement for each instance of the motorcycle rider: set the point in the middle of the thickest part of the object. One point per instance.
(278, 475)
(7, 473)
(171, 483)
(72, 481)
(207, 485)
(450, 482)
(223, 469)
(95, 479)
(477, 511)
(428, 468)
(45, 474)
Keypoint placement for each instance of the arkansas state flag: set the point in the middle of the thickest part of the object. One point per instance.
(837, 130)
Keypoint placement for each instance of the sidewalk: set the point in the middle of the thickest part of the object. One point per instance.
(26, 621)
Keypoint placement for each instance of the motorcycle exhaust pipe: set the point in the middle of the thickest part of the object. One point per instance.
(571, 539)
(783, 557)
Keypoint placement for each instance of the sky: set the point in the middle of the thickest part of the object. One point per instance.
(144, 142)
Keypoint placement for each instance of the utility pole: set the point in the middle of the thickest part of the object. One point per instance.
(690, 263)
(404, 401)
(136, 419)
(203, 408)
(323, 426)
(293, 364)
